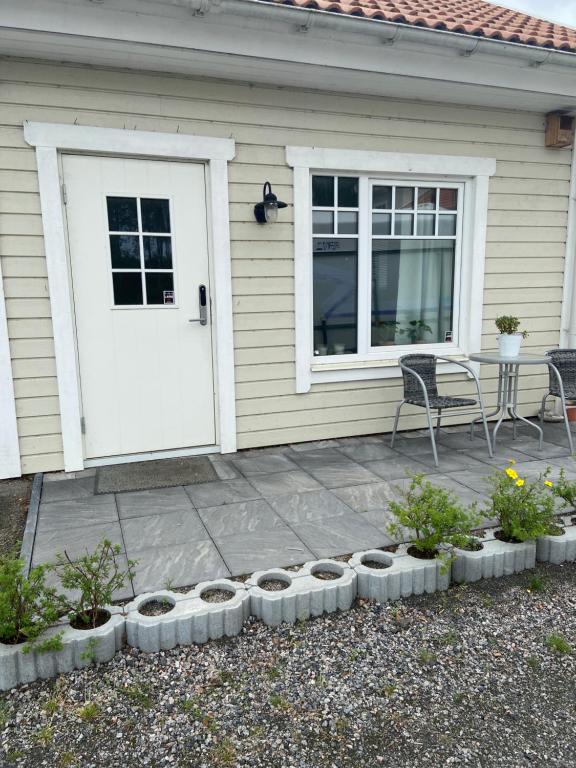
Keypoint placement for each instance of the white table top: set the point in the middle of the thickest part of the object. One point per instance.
(497, 359)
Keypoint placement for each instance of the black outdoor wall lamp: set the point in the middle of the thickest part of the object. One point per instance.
(266, 212)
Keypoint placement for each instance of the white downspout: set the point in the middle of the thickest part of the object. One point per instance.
(568, 318)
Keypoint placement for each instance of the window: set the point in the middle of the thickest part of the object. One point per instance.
(140, 251)
(391, 282)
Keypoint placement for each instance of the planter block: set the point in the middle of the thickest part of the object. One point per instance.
(305, 595)
(191, 620)
(382, 584)
(419, 576)
(81, 647)
(557, 549)
(496, 558)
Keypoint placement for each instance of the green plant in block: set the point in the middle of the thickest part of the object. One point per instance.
(524, 508)
(564, 489)
(435, 515)
(27, 606)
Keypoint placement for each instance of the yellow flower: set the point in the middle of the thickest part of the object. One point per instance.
(519, 482)
(548, 483)
(510, 472)
(511, 461)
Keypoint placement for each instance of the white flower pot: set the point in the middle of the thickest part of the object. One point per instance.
(509, 344)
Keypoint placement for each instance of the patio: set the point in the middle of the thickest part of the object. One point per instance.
(275, 506)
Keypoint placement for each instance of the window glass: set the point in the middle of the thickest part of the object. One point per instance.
(127, 287)
(426, 199)
(403, 224)
(323, 222)
(335, 295)
(122, 214)
(159, 286)
(155, 215)
(425, 224)
(347, 192)
(381, 197)
(404, 198)
(381, 223)
(347, 222)
(125, 251)
(141, 253)
(446, 225)
(412, 291)
(323, 191)
(448, 199)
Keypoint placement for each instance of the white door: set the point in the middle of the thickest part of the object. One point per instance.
(139, 258)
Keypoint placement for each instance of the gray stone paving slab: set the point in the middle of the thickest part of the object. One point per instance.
(221, 492)
(337, 474)
(314, 445)
(74, 540)
(368, 451)
(451, 461)
(396, 469)
(248, 552)
(465, 494)
(345, 534)
(381, 519)
(74, 513)
(264, 465)
(65, 490)
(162, 530)
(303, 507)
(243, 517)
(223, 469)
(159, 501)
(318, 458)
(475, 479)
(176, 565)
(362, 498)
(549, 450)
(502, 455)
(281, 483)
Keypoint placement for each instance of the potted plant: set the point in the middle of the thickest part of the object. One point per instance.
(559, 544)
(416, 330)
(510, 337)
(439, 521)
(28, 609)
(387, 330)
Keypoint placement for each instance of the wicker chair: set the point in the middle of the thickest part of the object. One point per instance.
(562, 383)
(420, 389)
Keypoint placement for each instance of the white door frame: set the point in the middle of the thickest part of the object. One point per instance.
(49, 139)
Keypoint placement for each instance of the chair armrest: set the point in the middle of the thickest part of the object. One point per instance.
(472, 373)
(419, 379)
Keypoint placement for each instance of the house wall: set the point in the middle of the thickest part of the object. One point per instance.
(525, 241)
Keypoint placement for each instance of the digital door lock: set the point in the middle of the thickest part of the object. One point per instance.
(203, 304)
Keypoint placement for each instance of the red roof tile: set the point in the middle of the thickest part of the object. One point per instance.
(469, 17)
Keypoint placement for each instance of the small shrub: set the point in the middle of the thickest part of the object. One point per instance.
(564, 489)
(436, 516)
(509, 324)
(525, 509)
(27, 606)
(95, 577)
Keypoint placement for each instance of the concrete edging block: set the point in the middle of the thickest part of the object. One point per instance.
(496, 558)
(305, 595)
(418, 576)
(557, 549)
(81, 647)
(380, 584)
(155, 633)
(212, 621)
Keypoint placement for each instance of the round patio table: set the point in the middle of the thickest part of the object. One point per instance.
(508, 388)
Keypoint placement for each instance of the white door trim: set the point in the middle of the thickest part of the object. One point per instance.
(9, 448)
(49, 139)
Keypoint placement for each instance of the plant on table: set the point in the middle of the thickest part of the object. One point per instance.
(510, 337)
(93, 578)
(524, 508)
(437, 518)
(28, 606)
(508, 325)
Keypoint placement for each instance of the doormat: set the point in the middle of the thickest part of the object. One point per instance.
(161, 473)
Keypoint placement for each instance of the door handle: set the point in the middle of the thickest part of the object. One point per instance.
(203, 305)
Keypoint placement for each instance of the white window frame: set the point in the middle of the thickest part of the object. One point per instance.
(51, 139)
(472, 174)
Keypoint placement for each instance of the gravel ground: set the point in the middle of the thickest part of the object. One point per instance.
(14, 498)
(465, 678)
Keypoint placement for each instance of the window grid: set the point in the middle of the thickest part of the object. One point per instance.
(142, 269)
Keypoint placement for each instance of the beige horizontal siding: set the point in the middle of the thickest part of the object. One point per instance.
(525, 240)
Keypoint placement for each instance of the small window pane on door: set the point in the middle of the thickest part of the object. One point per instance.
(347, 192)
(382, 197)
(127, 288)
(122, 214)
(125, 251)
(155, 215)
(323, 191)
(157, 252)
(323, 222)
(157, 283)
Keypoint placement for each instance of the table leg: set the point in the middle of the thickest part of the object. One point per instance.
(517, 417)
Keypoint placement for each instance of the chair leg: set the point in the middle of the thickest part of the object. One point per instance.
(438, 423)
(396, 424)
(487, 432)
(567, 423)
(432, 440)
(542, 408)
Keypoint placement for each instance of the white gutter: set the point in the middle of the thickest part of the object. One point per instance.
(568, 319)
(306, 18)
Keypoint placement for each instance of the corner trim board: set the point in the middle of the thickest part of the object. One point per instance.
(49, 139)
(9, 448)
